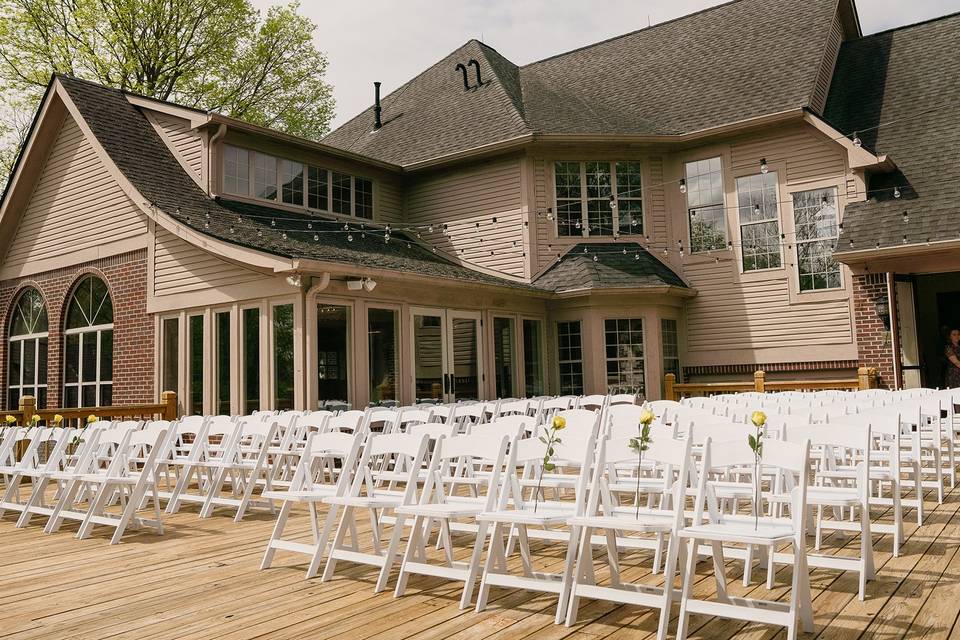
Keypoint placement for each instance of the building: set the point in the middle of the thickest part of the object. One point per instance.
(670, 200)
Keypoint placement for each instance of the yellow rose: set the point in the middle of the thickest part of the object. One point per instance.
(646, 416)
(11, 420)
(57, 419)
(758, 418)
(559, 422)
(35, 418)
(91, 419)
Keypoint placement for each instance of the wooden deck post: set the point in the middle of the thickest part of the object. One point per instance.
(668, 381)
(866, 378)
(28, 407)
(169, 400)
(758, 381)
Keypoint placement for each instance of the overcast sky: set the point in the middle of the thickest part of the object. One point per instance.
(391, 41)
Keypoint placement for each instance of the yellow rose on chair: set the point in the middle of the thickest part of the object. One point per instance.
(34, 419)
(11, 420)
(646, 416)
(758, 418)
(91, 419)
(57, 419)
(559, 422)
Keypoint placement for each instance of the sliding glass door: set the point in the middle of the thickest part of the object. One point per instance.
(446, 355)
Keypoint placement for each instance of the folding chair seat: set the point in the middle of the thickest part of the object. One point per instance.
(603, 512)
(792, 461)
(312, 483)
(517, 518)
(366, 493)
(244, 463)
(441, 504)
(215, 439)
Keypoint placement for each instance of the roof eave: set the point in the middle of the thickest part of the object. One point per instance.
(667, 290)
(859, 256)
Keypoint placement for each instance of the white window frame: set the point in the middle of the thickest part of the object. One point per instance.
(522, 381)
(643, 343)
(797, 242)
(722, 204)
(584, 200)
(583, 372)
(20, 342)
(82, 332)
(264, 380)
(663, 352)
(778, 170)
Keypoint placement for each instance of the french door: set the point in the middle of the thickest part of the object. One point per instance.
(446, 355)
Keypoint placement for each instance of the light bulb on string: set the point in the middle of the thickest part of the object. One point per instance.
(273, 223)
(906, 218)
(494, 222)
(636, 256)
(595, 258)
(284, 235)
(316, 237)
(896, 192)
(259, 233)
(309, 225)
(349, 237)
(763, 166)
(683, 185)
(613, 203)
(578, 225)
(857, 142)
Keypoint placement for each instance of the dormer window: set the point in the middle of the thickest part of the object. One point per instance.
(262, 176)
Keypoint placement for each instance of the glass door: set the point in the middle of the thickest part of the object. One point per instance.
(446, 355)
(429, 359)
(463, 337)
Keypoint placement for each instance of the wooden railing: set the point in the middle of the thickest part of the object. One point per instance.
(672, 390)
(166, 409)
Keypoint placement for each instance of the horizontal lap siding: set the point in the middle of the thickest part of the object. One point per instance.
(463, 198)
(729, 314)
(389, 206)
(183, 140)
(77, 204)
(545, 254)
(180, 267)
(654, 201)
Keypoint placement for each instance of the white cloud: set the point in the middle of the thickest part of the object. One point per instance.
(393, 41)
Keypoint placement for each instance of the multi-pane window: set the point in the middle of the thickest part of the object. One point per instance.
(570, 357)
(759, 221)
(599, 189)
(236, 170)
(629, 197)
(383, 336)
(27, 349)
(705, 212)
(317, 184)
(585, 195)
(264, 176)
(291, 182)
(294, 183)
(88, 341)
(363, 198)
(569, 201)
(624, 352)
(170, 354)
(340, 193)
(503, 356)
(670, 347)
(816, 217)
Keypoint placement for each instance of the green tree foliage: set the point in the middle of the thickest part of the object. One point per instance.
(220, 55)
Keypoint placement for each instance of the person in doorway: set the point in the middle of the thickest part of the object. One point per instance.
(951, 379)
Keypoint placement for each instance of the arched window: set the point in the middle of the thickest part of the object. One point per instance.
(88, 346)
(27, 368)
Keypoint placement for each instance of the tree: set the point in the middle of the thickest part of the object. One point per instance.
(210, 54)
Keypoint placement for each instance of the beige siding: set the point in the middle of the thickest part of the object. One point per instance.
(730, 315)
(654, 202)
(179, 267)
(545, 254)
(832, 48)
(77, 204)
(184, 142)
(465, 198)
(734, 312)
(389, 205)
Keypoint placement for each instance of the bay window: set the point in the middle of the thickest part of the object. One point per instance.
(759, 221)
(705, 211)
(264, 176)
(291, 182)
(589, 193)
(816, 218)
(236, 170)
(503, 356)
(670, 347)
(570, 358)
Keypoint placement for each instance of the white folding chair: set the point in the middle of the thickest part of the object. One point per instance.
(244, 462)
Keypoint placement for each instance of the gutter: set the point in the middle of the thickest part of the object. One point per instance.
(858, 255)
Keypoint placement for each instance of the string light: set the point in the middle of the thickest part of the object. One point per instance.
(763, 166)
(857, 142)
(906, 218)
(683, 185)
(896, 192)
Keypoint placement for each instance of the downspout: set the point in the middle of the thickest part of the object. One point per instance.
(221, 131)
(894, 331)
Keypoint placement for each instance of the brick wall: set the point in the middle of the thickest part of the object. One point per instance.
(873, 338)
(133, 341)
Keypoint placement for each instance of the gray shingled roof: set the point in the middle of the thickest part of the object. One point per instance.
(613, 269)
(739, 60)
(140, 154)
(911, 77)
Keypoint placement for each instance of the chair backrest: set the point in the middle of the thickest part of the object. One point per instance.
(314, 421)
(455, 458)
(595, 401)
(404, 450)
(526, 458)
(433, 430)
(561, 403)
(348, 421)
(581, 423)
(316, 462)
(513, 426)
(719, 431)
(623, 398)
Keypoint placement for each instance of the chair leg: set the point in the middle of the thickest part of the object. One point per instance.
(321, 541)
(474, 567)
(674, 548)
(276, 535)
(687, 582)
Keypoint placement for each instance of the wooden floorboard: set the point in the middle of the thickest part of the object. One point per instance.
(202, 579)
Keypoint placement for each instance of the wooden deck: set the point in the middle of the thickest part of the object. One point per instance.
(201, 580)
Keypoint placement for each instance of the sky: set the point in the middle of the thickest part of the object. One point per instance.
(392, 41)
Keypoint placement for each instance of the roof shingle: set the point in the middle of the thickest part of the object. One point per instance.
(619, 265)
